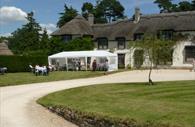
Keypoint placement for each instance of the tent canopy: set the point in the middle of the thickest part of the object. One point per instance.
(68, 58)
(73, 54)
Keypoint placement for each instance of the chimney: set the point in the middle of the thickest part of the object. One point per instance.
(91, 19)
(137, 15)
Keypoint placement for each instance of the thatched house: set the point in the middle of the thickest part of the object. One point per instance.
(115, 36)
(4, 50)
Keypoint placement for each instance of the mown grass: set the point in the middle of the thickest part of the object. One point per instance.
(167, 102)
(27, 77)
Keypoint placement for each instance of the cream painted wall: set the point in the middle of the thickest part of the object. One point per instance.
(178, 54)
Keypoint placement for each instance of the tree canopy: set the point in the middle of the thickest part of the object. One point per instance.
(167, 6)
(104, 11)
(26, 38)
(87, 9)
(68, 14)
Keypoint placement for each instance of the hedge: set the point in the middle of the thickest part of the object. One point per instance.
(21, 63)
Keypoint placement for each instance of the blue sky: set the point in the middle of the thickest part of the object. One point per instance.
(47, 11)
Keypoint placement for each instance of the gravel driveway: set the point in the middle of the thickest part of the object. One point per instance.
(18, 107)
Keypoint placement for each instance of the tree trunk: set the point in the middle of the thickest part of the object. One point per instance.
(149, 77)
(150, 72)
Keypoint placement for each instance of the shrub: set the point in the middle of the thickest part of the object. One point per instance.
(21, 63)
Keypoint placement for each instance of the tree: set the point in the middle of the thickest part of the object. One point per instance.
(68, 14)
(167, 6)
(185, 6)
(26, 38)
(193, 4)
(56, 45)
(109, 10)
(87, 9)
(79, 44)
(153, 48)
(164, 5)
(44, 44)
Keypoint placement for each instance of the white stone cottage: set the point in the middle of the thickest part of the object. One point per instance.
(115, 36)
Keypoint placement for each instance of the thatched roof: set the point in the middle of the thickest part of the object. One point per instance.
(179, 21)
(4, 50)
(77, 26)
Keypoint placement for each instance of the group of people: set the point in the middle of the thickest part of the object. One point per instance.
(3, 70)
(76, 65)
(40, 70)
(104, 67)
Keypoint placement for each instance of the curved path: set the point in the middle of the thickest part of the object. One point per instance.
(18, 107)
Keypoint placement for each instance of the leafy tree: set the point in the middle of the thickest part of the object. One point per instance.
(68, 14)
(44, 44)
(56, 45)
(26, 38)
(168, 6)
(164, 5)
(193, 4)
(79, 44)
(87, 9)
(104, 11)
(109, 10)
(185, 6)
(153, 48)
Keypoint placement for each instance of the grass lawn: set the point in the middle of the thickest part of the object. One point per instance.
(166, 102)
(27, 77)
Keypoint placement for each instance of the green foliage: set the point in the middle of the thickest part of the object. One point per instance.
(138, 58)
(87, 9)
(157, 49)
(79, 44)
(27, 38)
(104, 11)
(21, 63)
(164, 5)
(110, 9)
(168, 6)
(56, 45)
(68, 14)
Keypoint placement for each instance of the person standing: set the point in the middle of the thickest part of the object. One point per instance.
(106, 66)
(94, 65)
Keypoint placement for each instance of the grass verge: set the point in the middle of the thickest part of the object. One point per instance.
(27, 78)
(170, 103)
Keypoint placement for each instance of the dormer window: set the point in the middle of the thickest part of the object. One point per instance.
(121, 42)
(102, 43)
(165, 34)
(138, 36)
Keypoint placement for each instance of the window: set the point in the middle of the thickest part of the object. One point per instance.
(121, 43)
(67, 38)
(165, 34)
(138, 36)
(189, 53)
(102, 43)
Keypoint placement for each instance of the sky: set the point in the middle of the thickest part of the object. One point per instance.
(46, 12)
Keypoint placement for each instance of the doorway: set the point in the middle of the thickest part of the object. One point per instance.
(121, 61)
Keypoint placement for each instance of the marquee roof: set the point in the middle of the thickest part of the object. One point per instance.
(74, 54)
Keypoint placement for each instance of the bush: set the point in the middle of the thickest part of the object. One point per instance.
(21, 63)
